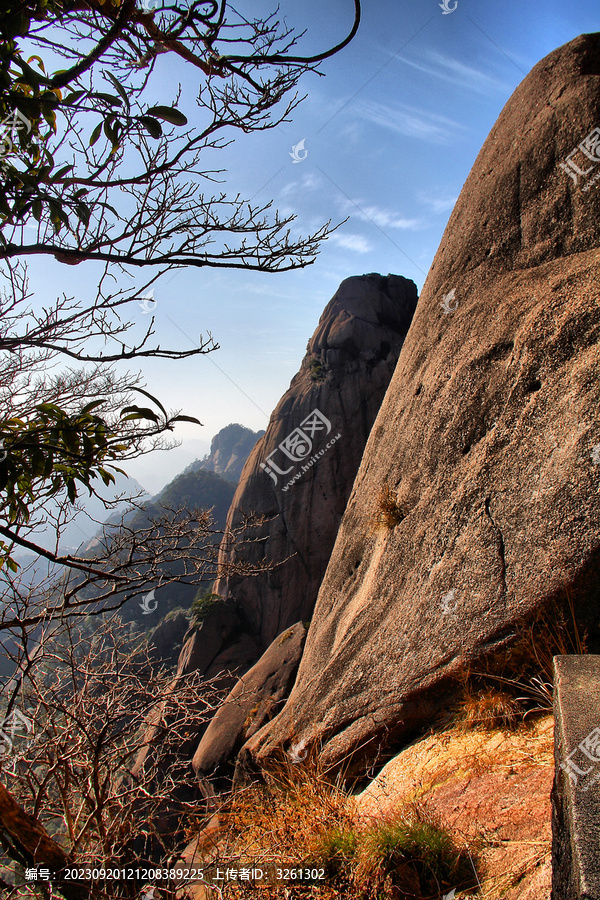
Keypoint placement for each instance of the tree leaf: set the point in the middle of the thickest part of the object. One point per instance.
(73, 97)
(151, 397)
(187, 419)
(138, 412)
(108, 98)
(119, 87)
(168, 114)
(96, 133)
(152, 126)
(108, 130)
(61, 172)
(93, 405)
(38, 59)
(83, 213)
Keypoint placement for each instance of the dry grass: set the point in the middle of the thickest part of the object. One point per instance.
(516, 682)
(549, 632)
(280, 824)
(459, 775)
(406, 836)
(301, 820)
(388, 511)
(488, 709)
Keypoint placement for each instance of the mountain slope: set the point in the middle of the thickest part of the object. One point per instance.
(477, 502)
(229, 450)
(300, 473)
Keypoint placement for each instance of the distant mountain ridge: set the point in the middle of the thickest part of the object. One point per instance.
(229, 450)
(208, 483)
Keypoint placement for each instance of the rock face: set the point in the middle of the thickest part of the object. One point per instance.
(490, 788)
(165, 640)
(487, 444)
(301, 471)
(229, 450)
(251, 703)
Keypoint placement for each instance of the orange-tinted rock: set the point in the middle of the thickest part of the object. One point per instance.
(322, 423)
(488, 436)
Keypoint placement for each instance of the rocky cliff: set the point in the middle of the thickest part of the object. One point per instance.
(229, 450)
(300, 473)
(481, 473)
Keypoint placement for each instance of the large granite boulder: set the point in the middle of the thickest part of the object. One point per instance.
(483, 466)
(254, 700)
(300, 473)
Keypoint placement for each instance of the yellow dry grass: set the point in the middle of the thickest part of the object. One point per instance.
(283, 822)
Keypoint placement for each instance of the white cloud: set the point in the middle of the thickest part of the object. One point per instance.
(386, 219)
(309, 182)
(377, 215)
(412, 122)
(438, 205)
(453, 71)
(355, 242)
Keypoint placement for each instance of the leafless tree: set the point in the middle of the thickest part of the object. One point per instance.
(97, 174)
(71, 799)
(90, 170)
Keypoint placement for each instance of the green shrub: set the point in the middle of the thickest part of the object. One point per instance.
(318, 372)
(201, 607)
(335, 850)
(409, 853)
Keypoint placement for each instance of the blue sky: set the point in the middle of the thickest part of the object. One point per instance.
(390, 135)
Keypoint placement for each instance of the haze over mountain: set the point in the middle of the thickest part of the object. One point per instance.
(229, 450)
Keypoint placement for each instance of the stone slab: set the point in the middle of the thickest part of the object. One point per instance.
(576, 790)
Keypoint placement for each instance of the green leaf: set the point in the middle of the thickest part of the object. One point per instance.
(168, 114)
(96, 133)
(152, 126)
(50, 118)
(49, 408)
(50, 99)
(61, 172)
(34, 78)
(187, 419)
(108, 98)
(73, 97)
(107, 477)
(38, 59)
(154, 399)
(83, 213)
(119, 87)
(93, 405)
(138, 412)
(109, 131)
